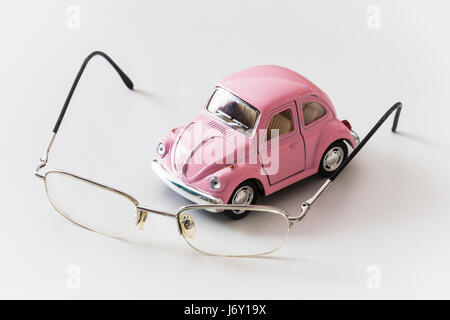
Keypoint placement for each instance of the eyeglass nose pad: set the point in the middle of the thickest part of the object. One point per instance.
(142, 217)
(188, 226)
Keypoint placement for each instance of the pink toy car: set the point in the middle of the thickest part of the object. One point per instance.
(262, 129)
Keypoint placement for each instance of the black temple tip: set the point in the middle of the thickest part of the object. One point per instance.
(397, 106)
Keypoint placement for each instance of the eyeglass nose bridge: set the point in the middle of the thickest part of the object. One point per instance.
(142, 214)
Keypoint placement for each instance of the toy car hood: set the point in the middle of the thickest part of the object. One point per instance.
(203, 147)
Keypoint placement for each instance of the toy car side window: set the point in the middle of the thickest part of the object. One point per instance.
(312, 111)
(280, 124)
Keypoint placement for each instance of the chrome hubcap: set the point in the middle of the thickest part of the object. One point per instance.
(243, 196)
(333, 159)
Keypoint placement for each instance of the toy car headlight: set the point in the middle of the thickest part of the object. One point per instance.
(161, 149)
(215, 183)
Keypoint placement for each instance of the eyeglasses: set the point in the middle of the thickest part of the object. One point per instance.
(114, 213)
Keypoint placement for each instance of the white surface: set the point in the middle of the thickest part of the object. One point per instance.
(389, 208)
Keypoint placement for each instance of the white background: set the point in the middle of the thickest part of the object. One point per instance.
(389, 208)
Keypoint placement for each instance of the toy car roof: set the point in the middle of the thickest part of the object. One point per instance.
(268, 86)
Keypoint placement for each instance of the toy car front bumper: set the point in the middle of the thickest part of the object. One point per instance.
(181, 188)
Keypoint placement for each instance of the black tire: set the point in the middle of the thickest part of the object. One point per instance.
(324, 169)
(239, 215)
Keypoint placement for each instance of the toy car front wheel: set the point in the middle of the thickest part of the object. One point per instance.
(333, 158)
(245, 194)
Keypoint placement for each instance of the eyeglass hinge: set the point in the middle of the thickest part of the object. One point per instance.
(303, 210)
(44, 157)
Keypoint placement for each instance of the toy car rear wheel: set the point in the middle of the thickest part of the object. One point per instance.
(333, 158)
(245, 194)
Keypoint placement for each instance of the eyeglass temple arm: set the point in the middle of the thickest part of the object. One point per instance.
(44, 157)
(308, 203)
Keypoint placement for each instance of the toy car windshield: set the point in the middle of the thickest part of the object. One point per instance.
(233, 111)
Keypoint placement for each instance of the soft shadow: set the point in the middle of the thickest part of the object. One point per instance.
(269, 256)
(290, 198)
(427, 142)
(335, 211)
(157, 247)
(150, 95)
(163, 247)
(144, 93)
